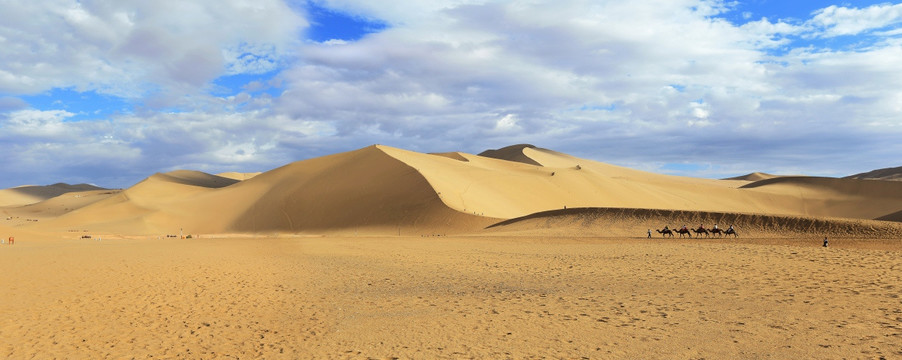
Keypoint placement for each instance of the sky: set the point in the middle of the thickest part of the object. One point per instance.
(108, 92)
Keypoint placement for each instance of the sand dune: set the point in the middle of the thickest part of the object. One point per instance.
(150, 207)
(894, 174)
(361, 191)
(238, 175)
(511, 153)
(30, 194)
(755, 176)
(385, 190)
(195, 178)
(851, 198)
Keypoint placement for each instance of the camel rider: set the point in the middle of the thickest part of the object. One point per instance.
(715, 226)
(731, 228)
(701, 227)
(685, 228)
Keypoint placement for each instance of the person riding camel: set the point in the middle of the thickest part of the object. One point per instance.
(685, 228)
(701, 227)
(715, 226)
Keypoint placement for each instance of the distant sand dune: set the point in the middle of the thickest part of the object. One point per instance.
(893, 174)
(30, 194)
(850, 198)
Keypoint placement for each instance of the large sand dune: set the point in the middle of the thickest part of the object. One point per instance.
(385, 190)
(359, 191)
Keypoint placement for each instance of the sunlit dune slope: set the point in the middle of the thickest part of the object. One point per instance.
(552, 180)
(238, 175)
(24, 195)
(819, 196)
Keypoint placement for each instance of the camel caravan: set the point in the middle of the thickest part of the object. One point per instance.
(715, 231)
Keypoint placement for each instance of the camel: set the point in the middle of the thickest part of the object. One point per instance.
(683, 231)
(731, 231)
(716, 232)
(665, 232)
(700, 231)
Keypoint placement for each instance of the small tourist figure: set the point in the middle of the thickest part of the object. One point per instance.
(649, 233)
(825, 241)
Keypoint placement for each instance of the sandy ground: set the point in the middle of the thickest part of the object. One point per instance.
(450, 297)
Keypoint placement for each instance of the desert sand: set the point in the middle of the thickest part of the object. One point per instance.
(519, 252)
(449, 297)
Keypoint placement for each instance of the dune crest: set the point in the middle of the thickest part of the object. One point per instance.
(195, 178)
(511, 153)
(238, 175)
(755, 176)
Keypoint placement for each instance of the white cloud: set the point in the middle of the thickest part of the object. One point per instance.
(507, 123)
(598, 79)
(131, 48)
(836, 20)
(37, 123)
(538, 61)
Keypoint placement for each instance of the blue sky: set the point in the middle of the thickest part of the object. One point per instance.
(104, 92)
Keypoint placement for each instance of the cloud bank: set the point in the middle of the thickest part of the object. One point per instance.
(669, 87)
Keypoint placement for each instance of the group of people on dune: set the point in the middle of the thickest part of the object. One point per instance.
(701, 229)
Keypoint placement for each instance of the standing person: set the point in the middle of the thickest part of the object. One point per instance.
(825, 241)
(649, 233)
